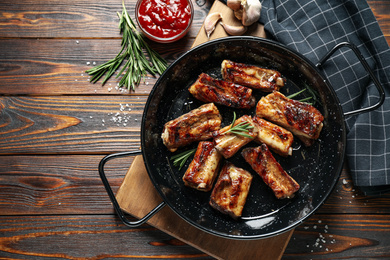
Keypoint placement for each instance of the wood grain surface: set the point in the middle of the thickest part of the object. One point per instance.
(55, 126)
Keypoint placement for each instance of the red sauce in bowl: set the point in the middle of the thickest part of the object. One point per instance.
(164, 18)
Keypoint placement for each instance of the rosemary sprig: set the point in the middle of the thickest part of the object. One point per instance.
(304, 100)
(241, 128)
(132, 54)
(312, 95)
(181, 158)
(296, 94)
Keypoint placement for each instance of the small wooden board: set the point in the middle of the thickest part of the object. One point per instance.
(228, 17)
(137, 195)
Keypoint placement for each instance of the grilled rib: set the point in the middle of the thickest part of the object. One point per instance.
(302, 119)
(204, 167)
(266, 80)
(196, 125)
(231, 190)
(262, 161)
(277, 138)
(228, 143)
(209, 89)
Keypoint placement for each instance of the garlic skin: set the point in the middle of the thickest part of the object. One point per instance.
(210, 22)
(247, 11)
(235, 5)
(251, 11)
(234, 30)
(238, 14)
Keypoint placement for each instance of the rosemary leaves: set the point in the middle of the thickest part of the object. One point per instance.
(136, 63)
(241, 128)
(313, 96)
(181, 158)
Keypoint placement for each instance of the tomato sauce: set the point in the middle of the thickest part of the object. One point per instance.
(164, 18)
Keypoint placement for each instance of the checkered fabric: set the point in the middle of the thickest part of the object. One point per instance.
(312, 28)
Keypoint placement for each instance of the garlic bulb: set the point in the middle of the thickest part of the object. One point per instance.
(251, 11)
(247, 11)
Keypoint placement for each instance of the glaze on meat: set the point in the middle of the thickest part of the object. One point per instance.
(209, 89)
(302, 119)
(231, 190)
(262, 161)
(196, 125)
(250, 76)
(277, 138)
(229, 143)
(204, 168)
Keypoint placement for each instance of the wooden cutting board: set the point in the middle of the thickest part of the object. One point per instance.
(228, 18)
(137, 195)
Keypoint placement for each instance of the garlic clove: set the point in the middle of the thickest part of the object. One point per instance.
(234, 30)
(251, 11)
(234, 4)
(210, 22)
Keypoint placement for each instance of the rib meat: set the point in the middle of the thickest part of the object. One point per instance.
(266, 80)
(229, 143)
(302, 119)
(204, 167)
(231, 190)
(196, 125)
(209, 89)
(277, 138)
(262, 161)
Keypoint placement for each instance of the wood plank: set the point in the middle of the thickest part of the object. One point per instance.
(70, 124)
(89, 19)
(347, 199)
(381, 10)
(71, 236)
(86, 237)
(57, 67)
(56, 184)
(71, 18)
(335, 237)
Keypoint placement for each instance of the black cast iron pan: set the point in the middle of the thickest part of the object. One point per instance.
(316, 168)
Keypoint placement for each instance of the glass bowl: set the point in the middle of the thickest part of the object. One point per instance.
(160, 21)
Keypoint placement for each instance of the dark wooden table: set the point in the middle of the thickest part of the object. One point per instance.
(56, 126)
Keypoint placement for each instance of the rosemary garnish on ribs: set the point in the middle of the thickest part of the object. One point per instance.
(181, 158)
(241, 128)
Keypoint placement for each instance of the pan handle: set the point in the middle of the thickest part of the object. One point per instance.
(112, 196)
(366, 67)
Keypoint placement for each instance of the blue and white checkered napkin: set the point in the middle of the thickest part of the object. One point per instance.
(312, 28)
